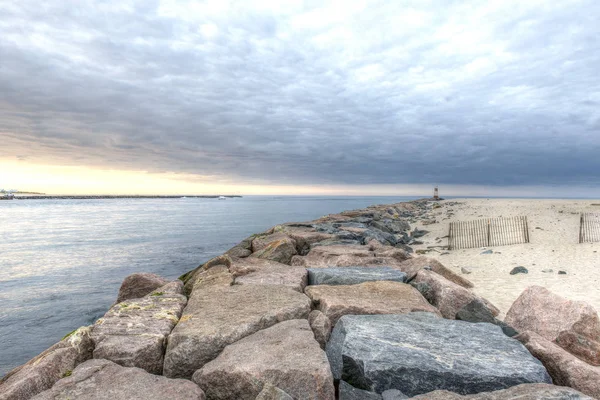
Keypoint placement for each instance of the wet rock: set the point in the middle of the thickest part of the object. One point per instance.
(321, 327)
(418, 352)
(447, 296)
(349, 392)
(138, 285)
(477, 311)
(565, 369)
(353, 275)
(253, 270)
(573, 325)
(413, 265)
(281, 250)
(519, 270)
(382, 297)
(526, 391)
(133, 332)
(271, 392)
(220, 315)
(105, 380)
(285, 355)
(41, 372)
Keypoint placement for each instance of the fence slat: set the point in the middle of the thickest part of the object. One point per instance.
(489, 232)
(589, 228)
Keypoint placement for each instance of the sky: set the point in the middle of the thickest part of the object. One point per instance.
(495, 97)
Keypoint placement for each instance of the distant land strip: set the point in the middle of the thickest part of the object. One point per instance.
(92, 197)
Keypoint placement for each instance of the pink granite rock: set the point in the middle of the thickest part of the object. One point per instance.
(252, 270)
(447, 296)
(138, 285)
(573, 325)
(285, 355)
(277, 247)
(564, 368)
(414, 265)
(380, 297)
(41, 372)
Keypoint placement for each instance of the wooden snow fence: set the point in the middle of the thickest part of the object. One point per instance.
(589, 228)
(488, 232)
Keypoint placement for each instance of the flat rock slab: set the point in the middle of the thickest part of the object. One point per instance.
(527, 391)
(565, 369)
(133, 333)
(573, 325)
(105, 380)
(353, 275)
(41, 372)
(418, 353)
(383, 297)
(220, 315)
(253, 270)
(285, 355)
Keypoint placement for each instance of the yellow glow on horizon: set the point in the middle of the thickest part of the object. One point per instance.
(80, 180)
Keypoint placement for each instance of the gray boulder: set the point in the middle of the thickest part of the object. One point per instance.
(527, 391)
(138, 285)
(105, 380)
(219, 315)
(381, 237)
(477, 311)
(41, 372)
(393, 394)
(418, 352)
(133, 333)
(285, 355)
(349, 392)
(353, 275)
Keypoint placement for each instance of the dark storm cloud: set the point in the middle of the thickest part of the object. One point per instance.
(496, 92)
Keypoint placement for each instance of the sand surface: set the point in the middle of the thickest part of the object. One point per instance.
(554, 244)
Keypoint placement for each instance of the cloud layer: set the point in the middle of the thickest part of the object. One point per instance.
(449, 92)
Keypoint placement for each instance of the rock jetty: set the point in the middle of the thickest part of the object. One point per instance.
(335, 308)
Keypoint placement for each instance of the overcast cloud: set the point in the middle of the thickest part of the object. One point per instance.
(350, 92)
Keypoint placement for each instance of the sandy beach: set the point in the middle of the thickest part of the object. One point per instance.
(554, 237)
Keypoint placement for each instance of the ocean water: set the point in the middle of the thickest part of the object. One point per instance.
(62, 261)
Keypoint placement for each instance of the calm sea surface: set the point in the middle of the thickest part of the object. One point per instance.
(62, 261)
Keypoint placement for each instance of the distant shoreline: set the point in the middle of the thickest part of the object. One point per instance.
(96, 197)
